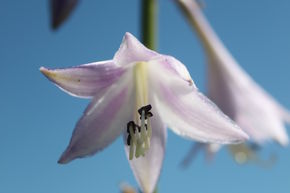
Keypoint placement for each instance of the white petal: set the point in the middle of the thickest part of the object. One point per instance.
(103, 121)
(131, 50)
(174, 66)
(188, 112)
(85, 80)
(147, 169)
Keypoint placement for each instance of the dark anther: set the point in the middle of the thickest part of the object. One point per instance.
(147, 109)
(129, 140)
(131, 124)
(149, 114)
(134, 126)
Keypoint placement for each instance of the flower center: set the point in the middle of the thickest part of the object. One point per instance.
(140, 131)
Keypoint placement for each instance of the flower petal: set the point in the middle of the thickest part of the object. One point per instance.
(131, 50)
(261, 122)
(85, 80)
(188, 112)
(103, 121)
(147, 169)
(233, 90)
(176, 67)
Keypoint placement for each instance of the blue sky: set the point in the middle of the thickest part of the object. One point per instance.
(37, 119)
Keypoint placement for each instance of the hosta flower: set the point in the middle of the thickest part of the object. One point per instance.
(236, 93)
(241, 153)
(138, 94)
(233, 90)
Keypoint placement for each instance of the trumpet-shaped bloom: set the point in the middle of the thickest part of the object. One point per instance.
(233, 90)
(138, 94)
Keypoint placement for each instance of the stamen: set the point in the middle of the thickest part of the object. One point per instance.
(139, 136)
(139, 147)
(131, 153)
(131, 140)
(147, 109)
(140, 131)
(143, 130)
(149, 132)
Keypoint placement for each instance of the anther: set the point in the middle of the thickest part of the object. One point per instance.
(129, 140)
(149, 114)
(146, 109)
(131, 124)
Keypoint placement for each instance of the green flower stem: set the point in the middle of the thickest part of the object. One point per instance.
(148, 23)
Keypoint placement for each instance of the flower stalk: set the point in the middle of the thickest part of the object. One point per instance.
(148, 23)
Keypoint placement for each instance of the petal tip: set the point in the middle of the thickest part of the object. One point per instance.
(245, 137)
(46, 72)
(65, 157)
(242, 137)
(130, 40)
(283, 141)
(62, 160)
(128, 35)
(43, 70)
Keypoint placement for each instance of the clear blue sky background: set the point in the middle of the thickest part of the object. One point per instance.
(37, 118)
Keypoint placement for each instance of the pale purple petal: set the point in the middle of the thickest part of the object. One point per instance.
(233, 90)
(188, 112)
(131, 50)
(254, 110)
(174, 66)
(284, 113)
(85, 80)
(262, 123)
(102, 122)
(147, 169)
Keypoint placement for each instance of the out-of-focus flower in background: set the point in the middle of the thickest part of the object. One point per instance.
(138, 94)
(126, 188)
(60, 10)
(234, 91)
(241, 153)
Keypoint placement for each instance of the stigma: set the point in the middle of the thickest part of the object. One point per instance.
(139, 136)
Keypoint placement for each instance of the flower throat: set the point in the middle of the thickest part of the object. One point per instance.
(140, 131)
